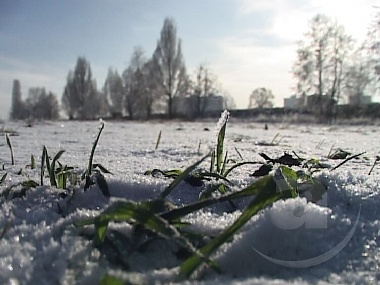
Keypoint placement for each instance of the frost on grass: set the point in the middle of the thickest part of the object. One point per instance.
(42, 246)
(222, 121)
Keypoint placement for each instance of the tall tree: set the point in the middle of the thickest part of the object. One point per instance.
(135, 83)
(80, 98)
(261, 98)
(41, 105)
(114, 91)
(373, 43)
(359, 77)
(152, 93)
(17, 108)
(319, 67)
(202, 87)
(170, 66)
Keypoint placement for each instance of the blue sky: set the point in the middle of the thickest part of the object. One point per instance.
(245, 43)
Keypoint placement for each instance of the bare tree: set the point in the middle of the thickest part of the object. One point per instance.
(170, 67)
(359, 77)
(152, 94)
(320, 64)
(373, 43)
(17, 108)
(80, 98)
(135, 83)
(202, 87)
(113, 90)
(41, 105)
(228, 101)
(261, 98)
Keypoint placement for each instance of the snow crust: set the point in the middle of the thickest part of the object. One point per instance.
(42, 245)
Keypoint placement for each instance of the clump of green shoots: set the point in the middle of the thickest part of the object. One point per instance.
(58, 173)
(159, 218)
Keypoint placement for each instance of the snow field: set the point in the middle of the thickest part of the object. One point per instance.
(43, 246)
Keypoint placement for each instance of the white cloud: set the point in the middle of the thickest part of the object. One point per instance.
(290, 18)
(243, 66)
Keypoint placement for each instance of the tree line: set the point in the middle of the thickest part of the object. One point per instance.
(328, 69)
(146, 86)
(331, 69)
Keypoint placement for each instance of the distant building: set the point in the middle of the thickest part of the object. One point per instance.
(293, 103)
(192, 105)
(308, 102)
(360, 100)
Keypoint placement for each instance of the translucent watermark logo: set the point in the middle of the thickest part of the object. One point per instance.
(298, 217)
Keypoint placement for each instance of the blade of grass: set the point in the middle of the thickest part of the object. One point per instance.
(267, 195)
(212, 163)
(274, 138)
(237, 165)
(373, 166)
(3, 178)
(182, 176)
(158, 141)
(89, 168)
(224, 164)
(53, 181)
(11, 148)
(251, 190)
(43, 160)
(110, 280)
(239, 154)
(101, 168)
(90, 161)
(347, 159)
(142, 214)
(32, 162)
(219, 146)
(62, 177)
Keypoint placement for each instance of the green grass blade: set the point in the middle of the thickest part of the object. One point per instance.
(373, 165)
(236, 166)
(3, 178)
(206, 175)
(110, 280)
(267, 195)
(32, 162)
(223, 169)
(212, 163)
(219, 146)
(158, 140)
(43, 160)
(239, 154)
(89, 168)
(182, 176)
(274, 139)
(347, 159)
(144, 215)
(252, 190)
(53, 181)
(101, 168)
(11, 148)
(62, 177)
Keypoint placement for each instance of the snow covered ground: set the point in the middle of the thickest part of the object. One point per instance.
(293, 242)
